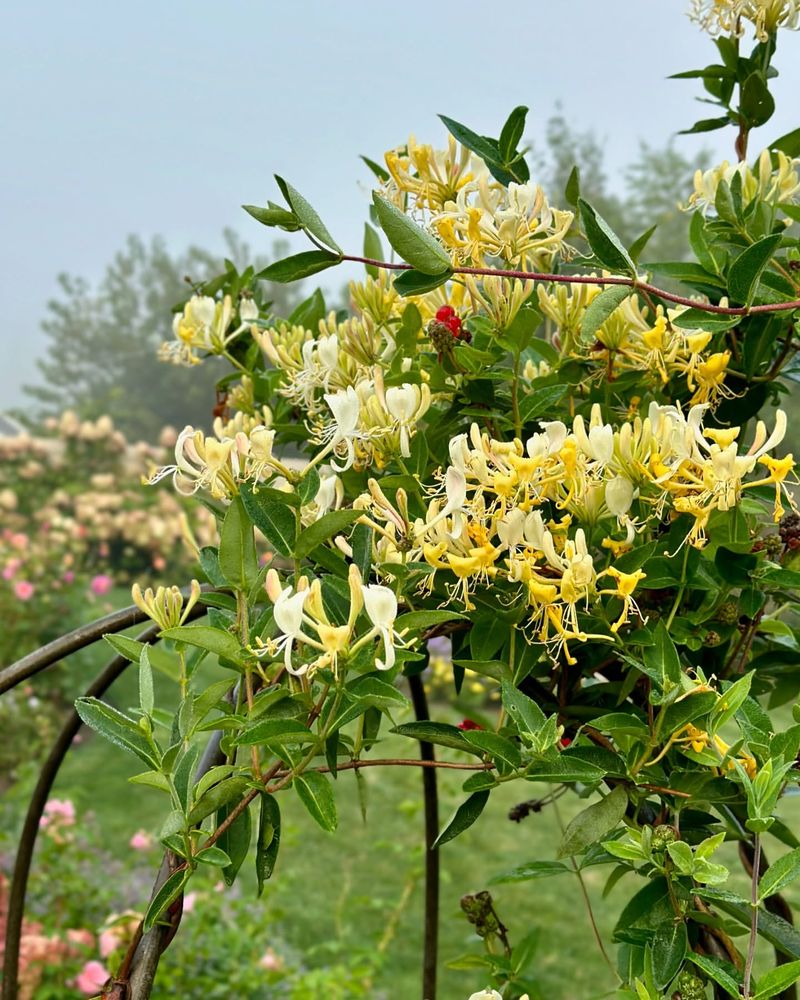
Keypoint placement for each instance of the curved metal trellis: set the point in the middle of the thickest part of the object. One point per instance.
(13, 675)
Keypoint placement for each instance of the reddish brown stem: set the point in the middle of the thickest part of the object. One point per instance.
(588, 279)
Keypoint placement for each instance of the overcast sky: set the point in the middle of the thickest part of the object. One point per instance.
(163, 117)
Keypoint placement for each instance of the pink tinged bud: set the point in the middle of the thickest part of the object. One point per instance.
(273, 585)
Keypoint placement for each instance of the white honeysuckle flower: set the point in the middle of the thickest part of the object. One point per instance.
(406, 403)
(619, 495)
(380, 604)
(487, 994)
(248, 310)
(330, 494)
(288, 612)
(511, 528)
(345, 407)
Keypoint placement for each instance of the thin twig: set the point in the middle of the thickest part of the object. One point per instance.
(751, 945)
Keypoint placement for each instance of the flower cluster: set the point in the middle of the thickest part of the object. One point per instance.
(726, 16)
(774, 184)
(205, 325)
(306, 629)
(629, 342)
(505, 510)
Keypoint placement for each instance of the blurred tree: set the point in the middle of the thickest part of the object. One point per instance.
(103, 341)
(653, 185)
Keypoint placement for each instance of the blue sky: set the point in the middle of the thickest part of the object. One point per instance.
(162, 118)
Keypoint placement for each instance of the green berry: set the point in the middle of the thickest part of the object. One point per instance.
(663, 835)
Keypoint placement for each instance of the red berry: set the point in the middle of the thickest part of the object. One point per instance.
(467, 724)
(453, 325)
(565, 741)
(445, 313)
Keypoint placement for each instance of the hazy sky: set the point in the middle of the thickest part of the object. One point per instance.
(163, 117)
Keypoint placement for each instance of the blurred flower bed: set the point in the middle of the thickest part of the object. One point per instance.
(75, 523)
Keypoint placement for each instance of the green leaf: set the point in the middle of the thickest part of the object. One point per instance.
(572, 191)
(725, 974)
(269, 839)
(527, 715)
(326, 527)
(512, 132)
(498, 747)
(697, 319)
(165, 896)
(533, 870)
(637, 247)
(209, 563)
(301, 265)
(412, 243)
(308, 217)
(235, 841)
(372, 248)
(361, 543)
(380, 172)
(275, 732)
(662, 657)
(756, 104)
(213, 856)
(118, 729)
(274, 519)
(415, 621)
(670, 944)
(238, 560)
(706, 125)
(779, 874)
(416, 283)
(591, 825)
(216, 797)
(214, 640)
(772, 928)
(747, 268)
(439, 733)
(309, 312)
(776, 980)
(601, 307)
(273, 216)
(489, 152)
(730, 701)
(539, 400)
(463, 817)
(605, 243)
(789, 143)
(146, 698)
(565, 768)
(316, 794)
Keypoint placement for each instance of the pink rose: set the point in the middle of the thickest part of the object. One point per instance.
(11, 568)
(101, 584)
(80, 936)
(141, 841)
(92, 978)
(69, 576)
(270, 961)
(24, 590)
(110, 940)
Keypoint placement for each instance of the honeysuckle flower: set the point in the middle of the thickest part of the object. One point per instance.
(406, 404)
(345, 407)
(203, 325)
(165, 606)
(626, 583)
(432, 177)
(772, 185)
(380, 604)
(726, 16)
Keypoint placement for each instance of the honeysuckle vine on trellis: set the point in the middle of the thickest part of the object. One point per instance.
(517, 439)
